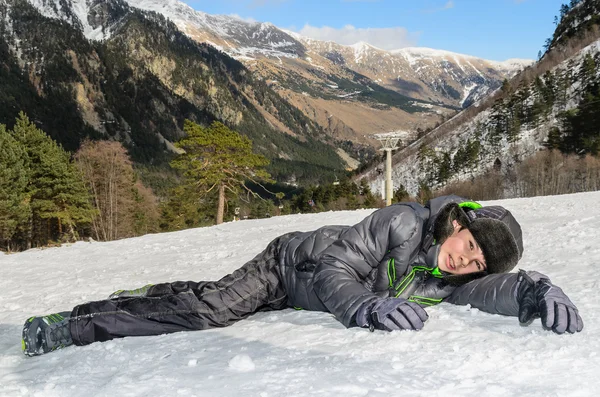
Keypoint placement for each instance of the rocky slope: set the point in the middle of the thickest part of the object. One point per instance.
(553, 104)
(139, 83)
(350, 91)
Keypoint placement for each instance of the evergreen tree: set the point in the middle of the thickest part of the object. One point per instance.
(59, 199)
(217, 158)
(472, 152)
(554, 138)
(549, 89)
(369, 199)
(588, 70)
(400, 195)
(505, 86)
(14, 200)
(444, 167)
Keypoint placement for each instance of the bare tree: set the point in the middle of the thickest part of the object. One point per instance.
(125, 207)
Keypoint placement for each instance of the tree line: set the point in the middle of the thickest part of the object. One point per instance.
(49, 196)
(527, 107)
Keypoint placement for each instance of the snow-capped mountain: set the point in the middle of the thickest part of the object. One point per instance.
(329, 82)
(95, 18)
(404, 71)
(235, 36)
(499, 147)
(138, 84)
(423, 73)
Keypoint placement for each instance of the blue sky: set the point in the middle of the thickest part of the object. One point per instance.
(490, 29)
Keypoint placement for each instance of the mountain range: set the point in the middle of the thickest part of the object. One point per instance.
(133, 70)
(552, 104)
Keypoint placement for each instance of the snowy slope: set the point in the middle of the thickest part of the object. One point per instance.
(460, 352)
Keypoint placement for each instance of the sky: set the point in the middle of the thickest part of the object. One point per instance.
(461, 351)
(491, 29)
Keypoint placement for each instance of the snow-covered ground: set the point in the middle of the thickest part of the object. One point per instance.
(460, 352)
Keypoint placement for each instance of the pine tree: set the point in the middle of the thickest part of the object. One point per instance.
(588, 70)
(506, 88)
(444, 167)
(554, 140)
(400, 195)
(59, 199)
(14, 200)
(473, 151)
(217, 158)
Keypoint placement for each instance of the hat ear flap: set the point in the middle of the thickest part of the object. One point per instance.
(443, 222)
(461, 279)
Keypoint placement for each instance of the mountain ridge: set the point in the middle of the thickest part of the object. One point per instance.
(262, 47)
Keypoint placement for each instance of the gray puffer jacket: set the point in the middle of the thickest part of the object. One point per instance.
(338, 268)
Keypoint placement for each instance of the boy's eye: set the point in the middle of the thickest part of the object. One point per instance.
(471, 245)
(478, 265)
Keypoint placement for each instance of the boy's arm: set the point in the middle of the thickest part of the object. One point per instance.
(524, 295)
(346, 263)
(495, 293)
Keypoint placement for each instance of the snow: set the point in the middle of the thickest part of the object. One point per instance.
(81, 10)
(466, 92)
(361, 50)
(412, 53)
(460, 352)
(425, 52)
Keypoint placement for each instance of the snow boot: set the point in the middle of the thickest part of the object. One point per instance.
(128, 293)
(46, 333)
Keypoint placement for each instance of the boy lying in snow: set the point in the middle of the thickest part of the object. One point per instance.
(377, 274)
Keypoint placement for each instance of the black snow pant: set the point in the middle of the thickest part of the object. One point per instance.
(186, 305)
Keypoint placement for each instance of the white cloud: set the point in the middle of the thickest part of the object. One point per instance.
(246, 19)
(264, 3)
(384, 38)
(447, 6)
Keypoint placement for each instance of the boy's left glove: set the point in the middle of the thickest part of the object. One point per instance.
(391, 314)
(545, 299)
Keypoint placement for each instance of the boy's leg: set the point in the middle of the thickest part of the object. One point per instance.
(180, 306)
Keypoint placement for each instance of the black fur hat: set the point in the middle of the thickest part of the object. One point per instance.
(494, 228)
(499, 235)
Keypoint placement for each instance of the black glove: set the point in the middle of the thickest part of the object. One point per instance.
(545, 299)
(391, 314)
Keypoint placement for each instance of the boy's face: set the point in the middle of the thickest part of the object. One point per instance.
(460, 253)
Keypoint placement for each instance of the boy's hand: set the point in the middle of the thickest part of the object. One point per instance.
(392, 314)
(556, 310)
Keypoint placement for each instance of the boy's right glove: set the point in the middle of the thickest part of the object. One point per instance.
(391, 314)
(554, 307)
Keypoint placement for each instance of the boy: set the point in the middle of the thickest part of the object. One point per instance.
(377, 274)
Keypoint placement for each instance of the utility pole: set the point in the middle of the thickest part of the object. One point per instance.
(389, 142)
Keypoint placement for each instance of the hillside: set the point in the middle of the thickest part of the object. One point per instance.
(140, 83)
(350, 91)
(551, 104)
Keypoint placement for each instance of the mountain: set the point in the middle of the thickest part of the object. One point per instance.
(123, 70)
(139, 83)
(435, 76)
(554, 104)
(350, 91)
